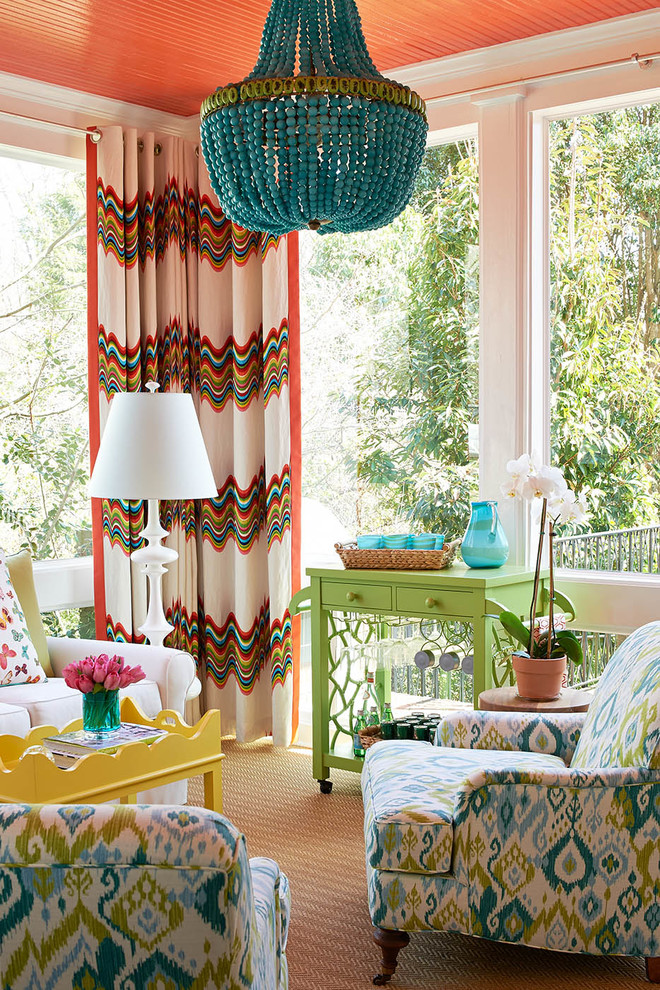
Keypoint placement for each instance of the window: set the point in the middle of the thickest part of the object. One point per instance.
(390, 391)
(44, 460)
(605, 324)
(44, 441)
(389, 323)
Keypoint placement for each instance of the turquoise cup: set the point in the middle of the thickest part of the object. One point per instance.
(425, 541)
(397, 542)
(370, 541)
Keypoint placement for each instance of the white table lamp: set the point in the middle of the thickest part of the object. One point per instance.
(152, 448)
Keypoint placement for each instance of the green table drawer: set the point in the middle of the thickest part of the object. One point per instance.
(434, 601)
(347, 595)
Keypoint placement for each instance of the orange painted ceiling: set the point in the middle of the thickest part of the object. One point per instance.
(170, 54)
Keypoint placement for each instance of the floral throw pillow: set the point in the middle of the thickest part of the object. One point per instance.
(18, 657)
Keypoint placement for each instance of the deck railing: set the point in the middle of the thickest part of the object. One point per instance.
(634, 550)
(453, 685)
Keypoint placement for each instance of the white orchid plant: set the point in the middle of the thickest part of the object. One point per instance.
(552, 502)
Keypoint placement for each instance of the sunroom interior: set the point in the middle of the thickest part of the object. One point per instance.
(386, 381)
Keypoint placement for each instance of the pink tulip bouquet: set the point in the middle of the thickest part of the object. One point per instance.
(99, 679)
(102, 673)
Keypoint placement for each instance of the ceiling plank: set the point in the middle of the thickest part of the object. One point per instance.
(169, 55)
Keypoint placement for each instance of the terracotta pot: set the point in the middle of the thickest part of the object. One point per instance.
(539, 680)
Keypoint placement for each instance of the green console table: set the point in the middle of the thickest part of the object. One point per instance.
(458, 594)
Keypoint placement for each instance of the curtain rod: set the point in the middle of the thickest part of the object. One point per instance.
(52, 125)
(643, 61)
(95, 134)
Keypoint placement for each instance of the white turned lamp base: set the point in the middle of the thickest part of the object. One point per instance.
(154, 556)
(152, 447)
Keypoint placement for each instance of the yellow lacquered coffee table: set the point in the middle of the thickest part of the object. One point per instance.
(186, 751)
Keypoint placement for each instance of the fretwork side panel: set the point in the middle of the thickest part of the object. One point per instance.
(389, 645)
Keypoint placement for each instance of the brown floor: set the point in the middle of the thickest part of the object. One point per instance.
(317, 840)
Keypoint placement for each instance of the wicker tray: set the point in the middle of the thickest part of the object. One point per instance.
(369, 736)
(397, 560)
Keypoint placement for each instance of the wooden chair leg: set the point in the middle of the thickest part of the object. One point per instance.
(653, 968)
(389, 943)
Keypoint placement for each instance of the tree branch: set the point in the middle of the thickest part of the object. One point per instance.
(49, 250)
(65, 497)
(46, 295)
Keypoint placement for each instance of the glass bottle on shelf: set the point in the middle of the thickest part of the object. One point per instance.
(370, 693)
(387, 715)
(360, 723)
(366, 701)
(373, 718)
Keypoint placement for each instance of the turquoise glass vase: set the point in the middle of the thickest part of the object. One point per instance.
(485, 543)
(101, 711)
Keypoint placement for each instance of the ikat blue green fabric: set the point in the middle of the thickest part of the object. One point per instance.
(272, 919)
(417, 901)
(622, 727)
(572, 868)
(410, 793)
(567, 861)
(523, 731)
(109, 897)
(559, 857)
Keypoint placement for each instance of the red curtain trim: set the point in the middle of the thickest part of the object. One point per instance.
(296, 450)
(93, 385)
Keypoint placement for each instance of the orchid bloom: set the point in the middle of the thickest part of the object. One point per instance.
(547, 482)
(519, 471)
(551, 498)
(536, 483)
(570, 508)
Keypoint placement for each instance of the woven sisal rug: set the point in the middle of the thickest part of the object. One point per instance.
(317, 840)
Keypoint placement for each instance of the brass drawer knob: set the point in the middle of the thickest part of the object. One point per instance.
(351, 596)
(430, 602)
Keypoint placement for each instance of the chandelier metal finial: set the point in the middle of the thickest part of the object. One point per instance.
(315, 136)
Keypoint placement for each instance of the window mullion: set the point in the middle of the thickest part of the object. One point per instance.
(503, 379)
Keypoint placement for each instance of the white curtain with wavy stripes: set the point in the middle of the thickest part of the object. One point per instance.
(186, 296)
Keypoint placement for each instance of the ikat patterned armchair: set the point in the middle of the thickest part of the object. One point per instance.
(520, 828)
(128, 898)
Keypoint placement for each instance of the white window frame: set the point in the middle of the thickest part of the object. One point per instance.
(63, 582)
(43, 123)
(605, 601)
(514, 349)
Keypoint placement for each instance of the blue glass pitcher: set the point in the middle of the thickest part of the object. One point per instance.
(484, 543)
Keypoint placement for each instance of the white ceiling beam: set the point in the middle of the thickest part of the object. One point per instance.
(516, 61)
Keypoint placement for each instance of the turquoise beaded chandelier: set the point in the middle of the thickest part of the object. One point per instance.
(314, 136)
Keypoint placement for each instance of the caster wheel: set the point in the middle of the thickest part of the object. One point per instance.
(380, 980)
(326, 786)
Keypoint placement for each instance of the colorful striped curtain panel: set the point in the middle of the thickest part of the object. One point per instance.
(187, 297)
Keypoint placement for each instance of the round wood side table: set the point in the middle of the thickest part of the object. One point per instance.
(506, 699)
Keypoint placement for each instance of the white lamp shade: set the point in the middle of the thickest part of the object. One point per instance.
(152, 447)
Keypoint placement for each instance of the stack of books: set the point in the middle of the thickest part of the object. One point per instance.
(68, 747)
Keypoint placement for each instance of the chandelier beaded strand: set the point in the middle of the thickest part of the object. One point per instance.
(314, 137)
